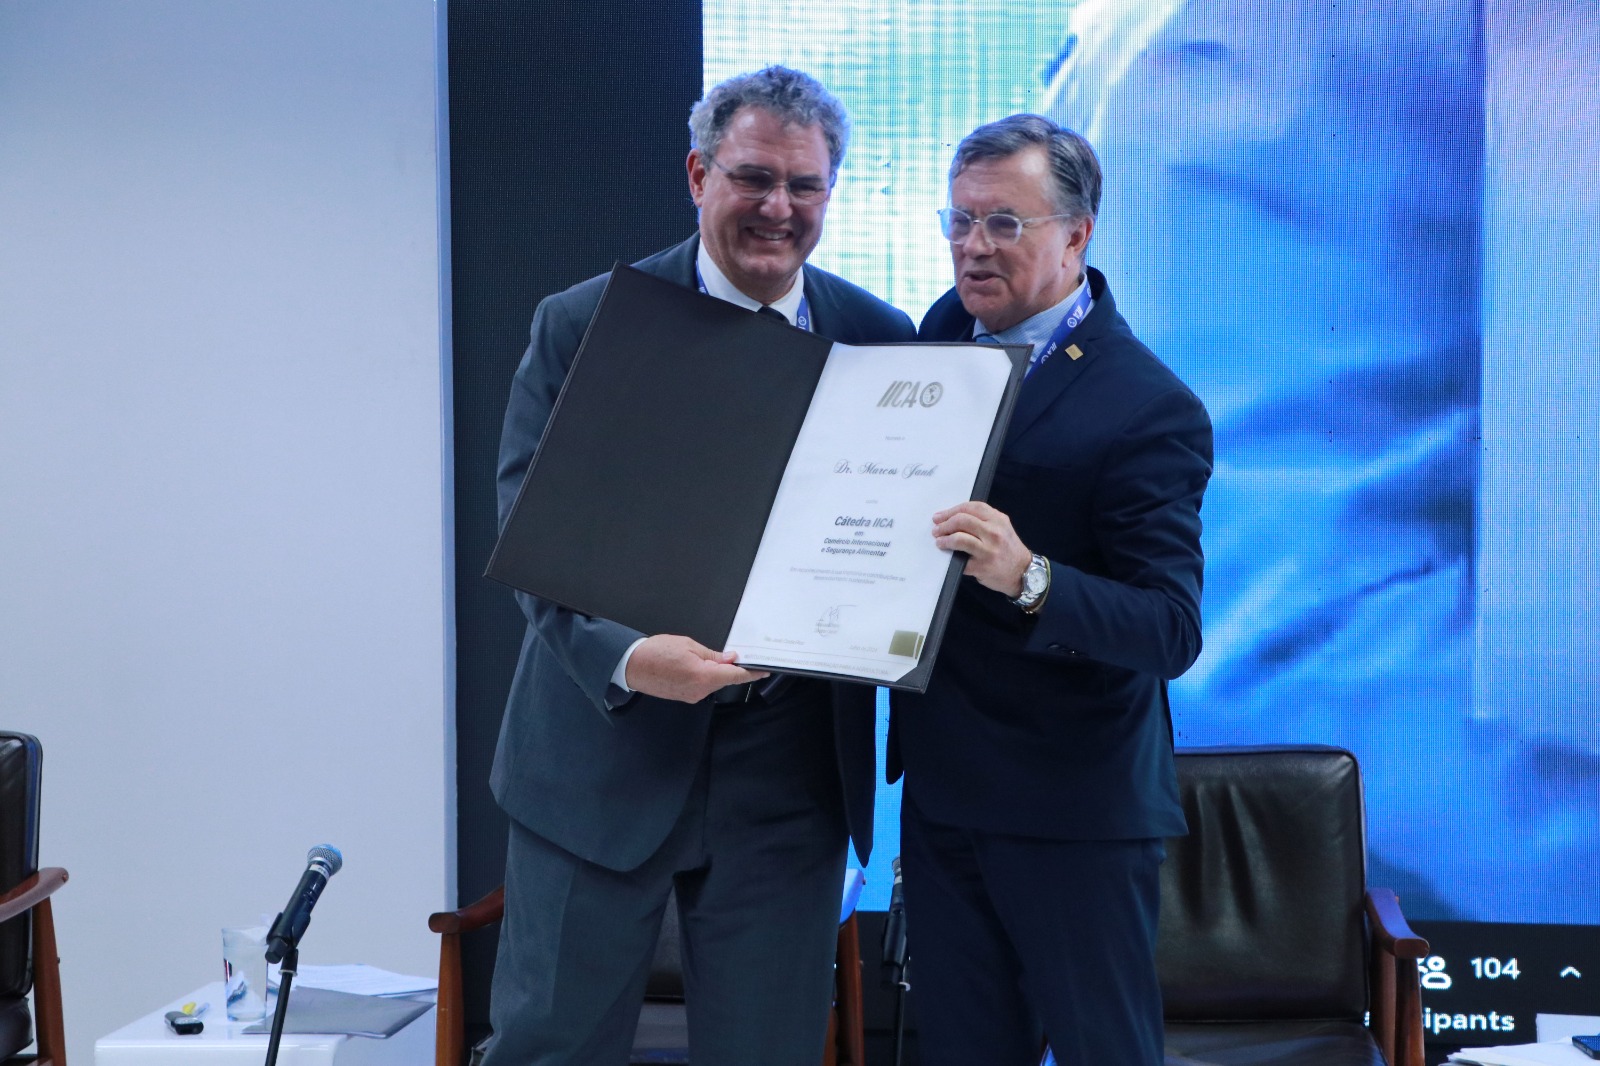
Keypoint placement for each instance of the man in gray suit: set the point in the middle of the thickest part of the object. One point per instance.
(631, 764)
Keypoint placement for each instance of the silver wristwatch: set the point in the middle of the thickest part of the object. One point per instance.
(1035, 584)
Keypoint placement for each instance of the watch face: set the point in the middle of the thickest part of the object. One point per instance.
(1034, 580)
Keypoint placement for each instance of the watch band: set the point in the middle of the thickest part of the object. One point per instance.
(1035, 585)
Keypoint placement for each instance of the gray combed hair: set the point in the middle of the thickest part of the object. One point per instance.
(1074, 167)
(794, 97)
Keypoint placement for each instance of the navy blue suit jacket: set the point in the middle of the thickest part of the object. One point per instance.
(1057, 726)
(605, 779)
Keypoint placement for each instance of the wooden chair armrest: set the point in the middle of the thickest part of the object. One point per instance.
(1394, 981)
(450, 1041)
(1389, 929)
(849, 1043)
(33, 894)
(31, 891)
(485, 911)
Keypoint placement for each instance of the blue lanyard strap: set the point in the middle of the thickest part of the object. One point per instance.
(1075, 314)
(802, 317)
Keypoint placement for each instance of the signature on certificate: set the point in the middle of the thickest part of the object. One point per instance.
(828, 621)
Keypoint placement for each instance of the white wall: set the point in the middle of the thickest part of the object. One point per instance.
(224, 548)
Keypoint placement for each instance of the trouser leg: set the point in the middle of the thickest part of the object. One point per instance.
(1082, 915)
(758, 858)
(965, 974)
(760, 918)
(1009, 932)
(574, 954)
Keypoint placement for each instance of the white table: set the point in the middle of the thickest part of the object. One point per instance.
(148, 1042)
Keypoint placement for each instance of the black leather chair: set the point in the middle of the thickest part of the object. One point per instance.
(27, 927)
(1272, 948)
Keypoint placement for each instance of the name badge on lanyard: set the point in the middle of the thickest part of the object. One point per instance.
(802, 316)
(1075, 314)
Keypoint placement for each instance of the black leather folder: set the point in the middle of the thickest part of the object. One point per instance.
(647, 498)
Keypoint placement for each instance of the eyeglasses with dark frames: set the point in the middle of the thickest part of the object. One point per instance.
(754, 184)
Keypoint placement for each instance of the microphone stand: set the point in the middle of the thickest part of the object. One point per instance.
(896, 961)
(283, 939)
(291, 959)
(902, 985)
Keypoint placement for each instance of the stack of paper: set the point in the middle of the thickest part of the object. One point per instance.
(1550, 1053)
(363, 980)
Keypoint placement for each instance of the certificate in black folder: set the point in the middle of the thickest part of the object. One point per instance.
(715, 473)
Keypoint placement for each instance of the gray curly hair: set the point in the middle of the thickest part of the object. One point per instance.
(793, 96)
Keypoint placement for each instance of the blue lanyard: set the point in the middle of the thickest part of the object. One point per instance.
(1075, 314)
(802, 316)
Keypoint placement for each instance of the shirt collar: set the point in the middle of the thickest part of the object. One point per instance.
(1037, 330)
(718, 285)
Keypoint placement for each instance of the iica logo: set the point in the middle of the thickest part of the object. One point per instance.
(911, 394)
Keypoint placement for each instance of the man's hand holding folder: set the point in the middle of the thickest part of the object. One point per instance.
(678, 668)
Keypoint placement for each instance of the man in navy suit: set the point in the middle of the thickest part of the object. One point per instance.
(1039, 778)
(632, 764)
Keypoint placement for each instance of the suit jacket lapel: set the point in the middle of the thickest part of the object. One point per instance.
(1047, 383)
(676, 264)
(824, 309)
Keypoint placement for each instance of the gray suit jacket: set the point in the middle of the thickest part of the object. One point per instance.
(605, 779)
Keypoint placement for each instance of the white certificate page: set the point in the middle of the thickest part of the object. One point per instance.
(847, 577)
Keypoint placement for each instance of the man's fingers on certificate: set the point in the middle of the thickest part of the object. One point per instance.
(674, 667)
(996, 556)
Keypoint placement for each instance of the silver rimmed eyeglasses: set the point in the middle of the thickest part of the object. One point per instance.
(753, 184)
(1001, 228)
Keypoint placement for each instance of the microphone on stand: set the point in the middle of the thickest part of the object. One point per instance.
(283, 939)
(322, 862)
(895, 961)
(894, 933)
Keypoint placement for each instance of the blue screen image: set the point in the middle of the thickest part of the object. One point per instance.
(1362, 235)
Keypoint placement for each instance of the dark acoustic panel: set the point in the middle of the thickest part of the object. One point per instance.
(568, 132)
